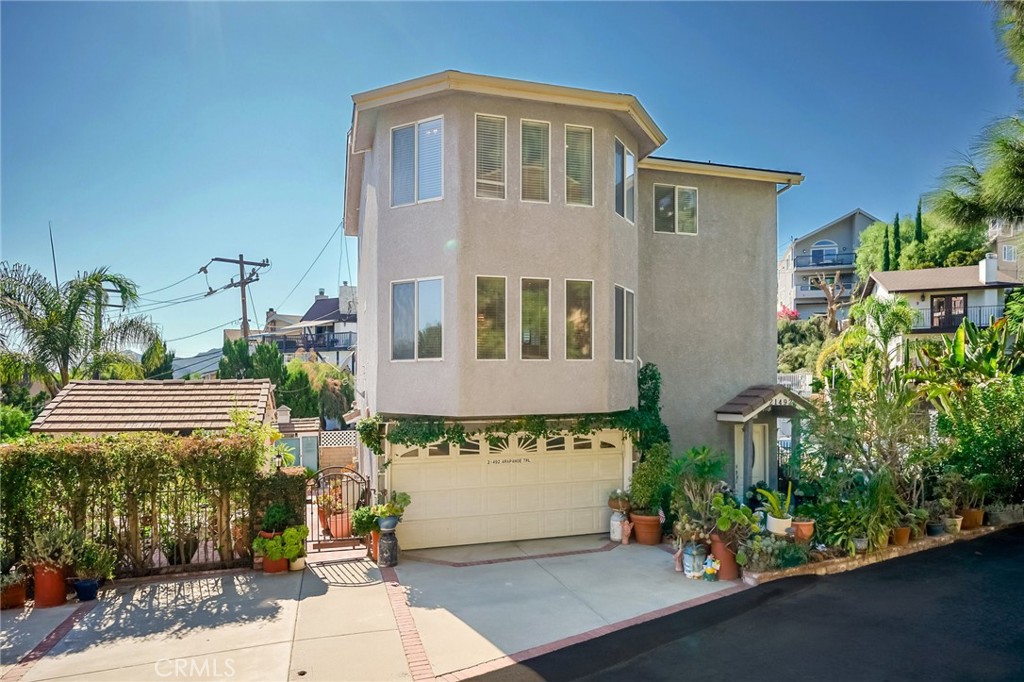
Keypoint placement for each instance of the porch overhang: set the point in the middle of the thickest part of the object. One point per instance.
(754, 400)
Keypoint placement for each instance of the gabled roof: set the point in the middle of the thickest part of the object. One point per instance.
(153, 405)
(852, 213)
(938, 279)
(323, 310)
(749, 402)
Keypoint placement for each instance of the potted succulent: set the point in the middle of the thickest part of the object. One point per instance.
(618, 500)
(364, 525)
(390, 512)
(272, 550)
(760, 551)
(12, 588)
(779, 518)
(936, 514)
(294, 539)
(646, 490)
(275, 519)
(51, 551)
(732, 526)
(973, 509)
(95, 562)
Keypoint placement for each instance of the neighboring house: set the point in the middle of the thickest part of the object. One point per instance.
(944, 297)
(301, 436)
(181, 407)
(1006, 239)
(327, 332)
(273, 324)
(521, 252)
(202, 364)
(823, 252)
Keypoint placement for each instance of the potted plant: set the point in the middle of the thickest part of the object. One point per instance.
(335, 513)
(294, 539)
(760, 550)
(803, 523)
(918, 518)
(95, 562)
(650, 480)
(390, 512)
(180, 543)
(901, 533)
(51, 551)
(883, 506)
(275, 519)
(732, 526)
(975, 490)
(12, 588)
(272, 550)
(953, 488)
(364, 525)
(618, 500)
(936, 514)
(779, 518)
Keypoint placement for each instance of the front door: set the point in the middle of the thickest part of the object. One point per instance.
(760, 468)
(948, 311)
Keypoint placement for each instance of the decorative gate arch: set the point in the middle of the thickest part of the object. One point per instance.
(331, 496)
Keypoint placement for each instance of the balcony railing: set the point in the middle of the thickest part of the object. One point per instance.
(319, 342)
(980, 315)
(813, 291)
(823, 260)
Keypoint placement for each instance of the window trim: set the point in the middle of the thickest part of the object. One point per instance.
(522, 184)
(625, 325)
(415, 317)
(565, 313)
(520, 344)
(476, 310)
(675, 209)
(415, 162)
(626, 152)
(476, 159)
(565, 165)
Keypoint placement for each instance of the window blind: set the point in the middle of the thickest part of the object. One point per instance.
(403, 325)
(686, 209)
(430, 142)
(534, 320)
(403, 153)
(579, 343)
(490, 157)
(536, 160)
(620, 198)
(579, 166)
(428, 319)
(490, 318)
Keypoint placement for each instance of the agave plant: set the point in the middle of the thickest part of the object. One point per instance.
(774, 501)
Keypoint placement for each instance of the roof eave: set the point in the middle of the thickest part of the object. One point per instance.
(722, 171)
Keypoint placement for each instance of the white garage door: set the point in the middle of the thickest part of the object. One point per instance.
(517, 489)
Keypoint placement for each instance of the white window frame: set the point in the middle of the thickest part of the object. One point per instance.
(625, 322)
(476, 308)
(565, 168)
(476, 159)
(520, 336)
(675, 209)
(1010, 249)
(415, 161)
(626, 152)
(521, 183)
(565, 313)
(415, 317)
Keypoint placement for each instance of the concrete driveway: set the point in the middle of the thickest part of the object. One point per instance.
(441, 613)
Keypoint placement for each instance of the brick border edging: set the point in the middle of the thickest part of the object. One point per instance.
(519, 657)
(412, 645)
(21, 668)
(486, 562)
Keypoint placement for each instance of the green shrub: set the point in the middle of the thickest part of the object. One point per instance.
(95, 561)
(277, 517)
(651, 480)
(364, 521)
(294, 539)
(791, 554)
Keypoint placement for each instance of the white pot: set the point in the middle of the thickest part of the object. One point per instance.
(297, 564)
(778, 526)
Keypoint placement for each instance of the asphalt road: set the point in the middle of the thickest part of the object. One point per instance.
(952, 613)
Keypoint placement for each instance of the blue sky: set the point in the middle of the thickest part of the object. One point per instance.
(158, 135)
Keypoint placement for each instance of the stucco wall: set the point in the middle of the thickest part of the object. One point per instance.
(707, 302)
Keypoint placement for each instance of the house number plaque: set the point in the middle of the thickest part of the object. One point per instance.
(509, 460)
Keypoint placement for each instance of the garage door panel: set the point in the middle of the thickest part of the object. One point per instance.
(582, 469)
(437, 475)
(499, 501)
(498, 474)
(609, 468)
(468, 502)
(469, 474)
(555, 469)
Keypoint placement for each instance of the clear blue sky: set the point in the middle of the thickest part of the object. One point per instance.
(158, 135)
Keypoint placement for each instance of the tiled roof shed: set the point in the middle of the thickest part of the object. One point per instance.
(170, 406)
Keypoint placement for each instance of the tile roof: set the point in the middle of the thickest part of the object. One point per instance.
(153, 405)
(302, 425)
(753, 398)
(935, 279)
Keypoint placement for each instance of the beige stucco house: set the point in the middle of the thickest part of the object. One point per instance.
(522, 252)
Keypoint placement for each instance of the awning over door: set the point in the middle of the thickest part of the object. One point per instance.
(754, 400)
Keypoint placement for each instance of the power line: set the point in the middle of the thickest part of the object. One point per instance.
(169, 286)
(219, 326)
(243, 280)
(189, 366)
(326, 244)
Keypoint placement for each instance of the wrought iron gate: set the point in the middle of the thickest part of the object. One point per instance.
(331, 496)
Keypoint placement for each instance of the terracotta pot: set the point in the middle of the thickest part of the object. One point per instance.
(374, 539)
(619, 505)
(323, 520)
(901, 536)
(51, 586)
(13, 596)
(340, 525)
(972, 518)
(803, 531)
(268, 534)
(646, 529)
(275, 565)
(728, 569)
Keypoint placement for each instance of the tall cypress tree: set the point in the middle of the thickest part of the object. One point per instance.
(918, 225)
(885, 250)
(896, 243)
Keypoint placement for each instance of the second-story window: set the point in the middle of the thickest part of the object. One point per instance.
(625, 182)
(625, 328)
(417, 153)
(490, 157)
(1009, 253)
(490, 318)
(579, 333)
(675, 209)
(417, 309)
(579, 165)
(535, 321)
(536, 161)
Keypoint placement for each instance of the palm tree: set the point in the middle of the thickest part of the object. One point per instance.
(56, 333)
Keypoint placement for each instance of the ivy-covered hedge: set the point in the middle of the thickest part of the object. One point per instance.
(135, 491)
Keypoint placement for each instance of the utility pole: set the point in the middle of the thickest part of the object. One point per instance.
(243, 280)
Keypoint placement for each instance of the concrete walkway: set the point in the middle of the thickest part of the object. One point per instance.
(441, 613)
